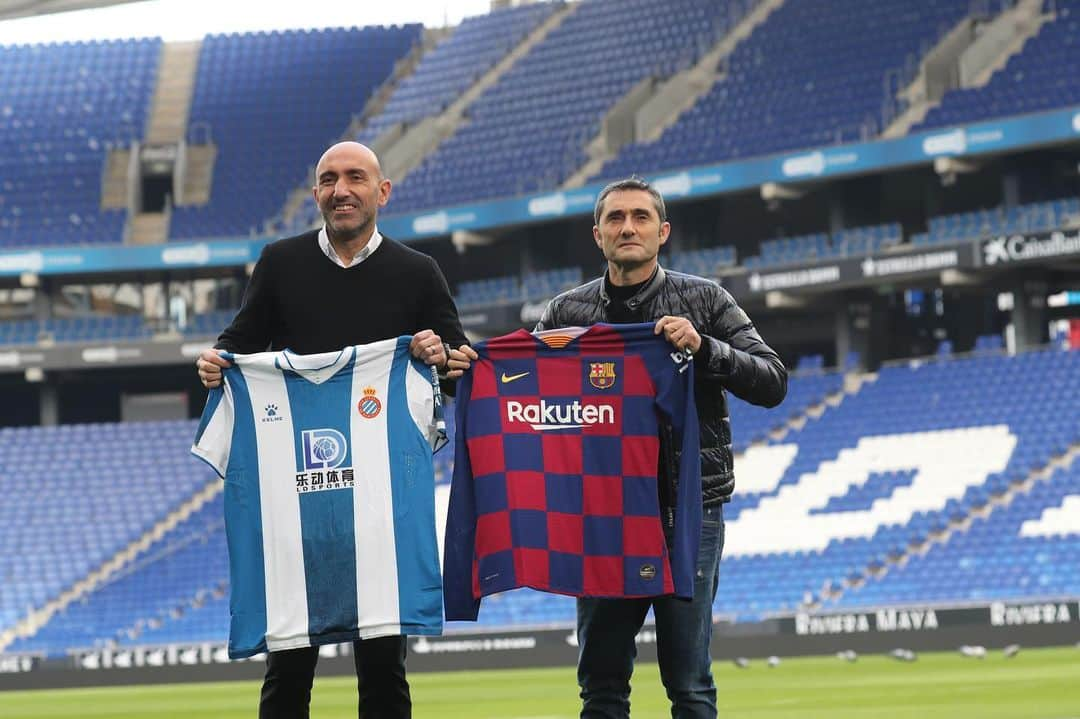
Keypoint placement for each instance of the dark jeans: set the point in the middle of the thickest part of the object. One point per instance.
(606, 631)
(380, 678)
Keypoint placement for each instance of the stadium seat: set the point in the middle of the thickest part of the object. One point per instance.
(105, 485)
(63, 106)
(809, 75)
(529, 131)
(1042, 76)
(272, 107)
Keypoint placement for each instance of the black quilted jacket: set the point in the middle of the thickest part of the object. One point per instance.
(732, 357)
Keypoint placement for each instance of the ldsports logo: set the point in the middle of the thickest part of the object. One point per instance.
(543, 416)
(324, 448)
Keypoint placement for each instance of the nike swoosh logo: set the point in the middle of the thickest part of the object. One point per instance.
(511, 377)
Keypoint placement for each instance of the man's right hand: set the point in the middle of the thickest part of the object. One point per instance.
(210, 364)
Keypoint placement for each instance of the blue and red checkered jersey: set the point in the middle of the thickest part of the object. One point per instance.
(555, 477)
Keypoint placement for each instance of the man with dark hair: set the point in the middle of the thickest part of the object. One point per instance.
(698, 316)
(321, 291)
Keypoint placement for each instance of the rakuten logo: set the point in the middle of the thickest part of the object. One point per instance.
(545, 416)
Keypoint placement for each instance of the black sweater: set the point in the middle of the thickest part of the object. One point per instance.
(298, 299)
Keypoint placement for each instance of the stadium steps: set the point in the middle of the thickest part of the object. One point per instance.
(38, 618)
(375, 104)
(147, 228)
(196, 598)
(832, 591)
(172, 93)
(936, 72)
(114, 182)
(422, 139)
(197, 174)
(404, 67)
(853, 383)
(1027, 19)
(1016, 25)
(167, 125)
(674, 97)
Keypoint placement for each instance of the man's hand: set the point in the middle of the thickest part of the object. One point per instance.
(428, 347)
(460, 360)
(679, 332)
(210, 364)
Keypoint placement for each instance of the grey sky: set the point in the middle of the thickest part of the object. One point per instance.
(191, 19)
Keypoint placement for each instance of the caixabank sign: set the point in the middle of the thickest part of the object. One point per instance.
(1006, 250)
(993, 253)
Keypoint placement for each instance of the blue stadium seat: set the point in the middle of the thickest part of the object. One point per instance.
(1044, 75)
(63, 106)
(97, 489)
(529, 131)
(810, 75)
(273, 102)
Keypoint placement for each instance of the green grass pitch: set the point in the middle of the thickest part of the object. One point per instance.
(1037, 684)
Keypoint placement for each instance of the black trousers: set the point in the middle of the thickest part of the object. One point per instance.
(380, 678)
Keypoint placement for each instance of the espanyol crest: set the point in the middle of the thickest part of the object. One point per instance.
(370, 406)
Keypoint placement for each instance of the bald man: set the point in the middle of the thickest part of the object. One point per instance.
(342, 285)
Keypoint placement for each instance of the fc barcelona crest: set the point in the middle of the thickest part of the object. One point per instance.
(602, 374)
(369, 406)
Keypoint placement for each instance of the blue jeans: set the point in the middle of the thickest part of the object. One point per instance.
(606, 629)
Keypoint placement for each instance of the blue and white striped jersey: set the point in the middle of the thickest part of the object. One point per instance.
(329, 495)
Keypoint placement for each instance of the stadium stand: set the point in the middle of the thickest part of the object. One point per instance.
(854, 242)
(1032, 217)
(209, 324)
(62, 108)
(806, 389)
(528, 132)
(93, 490)
(443, 74)
(173, 590)
(1022, 549)
(242, 85)
(176, 589)
(535, 286)
(945, 481)
(187, 569)
(707, 261)
(492, 290)
(808, 76)
(925, 428)
(472, 49)
(1034, 421)
(93, 328)
(1042, 76)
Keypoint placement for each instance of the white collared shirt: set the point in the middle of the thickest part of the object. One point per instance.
(328, 249)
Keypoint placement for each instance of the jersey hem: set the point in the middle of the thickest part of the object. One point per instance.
(372, 632)
(200, 454)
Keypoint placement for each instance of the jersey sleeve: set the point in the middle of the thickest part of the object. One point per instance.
(674, 376)
(213, 438)
(459, 545)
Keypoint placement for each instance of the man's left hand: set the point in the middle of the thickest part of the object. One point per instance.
(460, 361)
(428, 347)
(679, 332)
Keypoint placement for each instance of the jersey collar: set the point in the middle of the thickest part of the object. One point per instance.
(315, 368)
